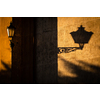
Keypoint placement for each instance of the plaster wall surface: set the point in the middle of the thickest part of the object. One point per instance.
(80, 66)
(5, 51)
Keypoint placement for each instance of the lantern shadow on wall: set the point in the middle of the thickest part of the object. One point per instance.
(80, 36)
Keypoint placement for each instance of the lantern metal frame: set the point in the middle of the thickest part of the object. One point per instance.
(10, 32)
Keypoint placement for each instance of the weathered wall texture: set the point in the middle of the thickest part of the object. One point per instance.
(80, 66)
(46, 50)
(5, 51)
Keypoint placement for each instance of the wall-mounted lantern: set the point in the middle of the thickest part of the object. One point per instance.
(10, 32)
(80, 36)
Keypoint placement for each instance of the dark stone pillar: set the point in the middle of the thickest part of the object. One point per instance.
(46, 50)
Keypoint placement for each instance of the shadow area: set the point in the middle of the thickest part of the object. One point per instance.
(5, 75)
(83, 76)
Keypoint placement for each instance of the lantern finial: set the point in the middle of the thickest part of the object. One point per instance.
(10, 31)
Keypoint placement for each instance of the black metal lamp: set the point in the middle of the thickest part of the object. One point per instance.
(10, 32)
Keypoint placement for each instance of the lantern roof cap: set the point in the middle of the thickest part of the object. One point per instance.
(11, 26)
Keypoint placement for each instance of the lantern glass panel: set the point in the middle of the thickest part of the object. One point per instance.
(10, 33)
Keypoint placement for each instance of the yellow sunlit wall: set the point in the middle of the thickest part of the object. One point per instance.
(5, 50)
(90, 55)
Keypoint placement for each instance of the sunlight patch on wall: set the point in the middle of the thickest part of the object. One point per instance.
(5, 50)
(79, 64)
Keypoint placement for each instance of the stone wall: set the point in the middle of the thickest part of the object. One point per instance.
(35, 58)
(80, 66)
